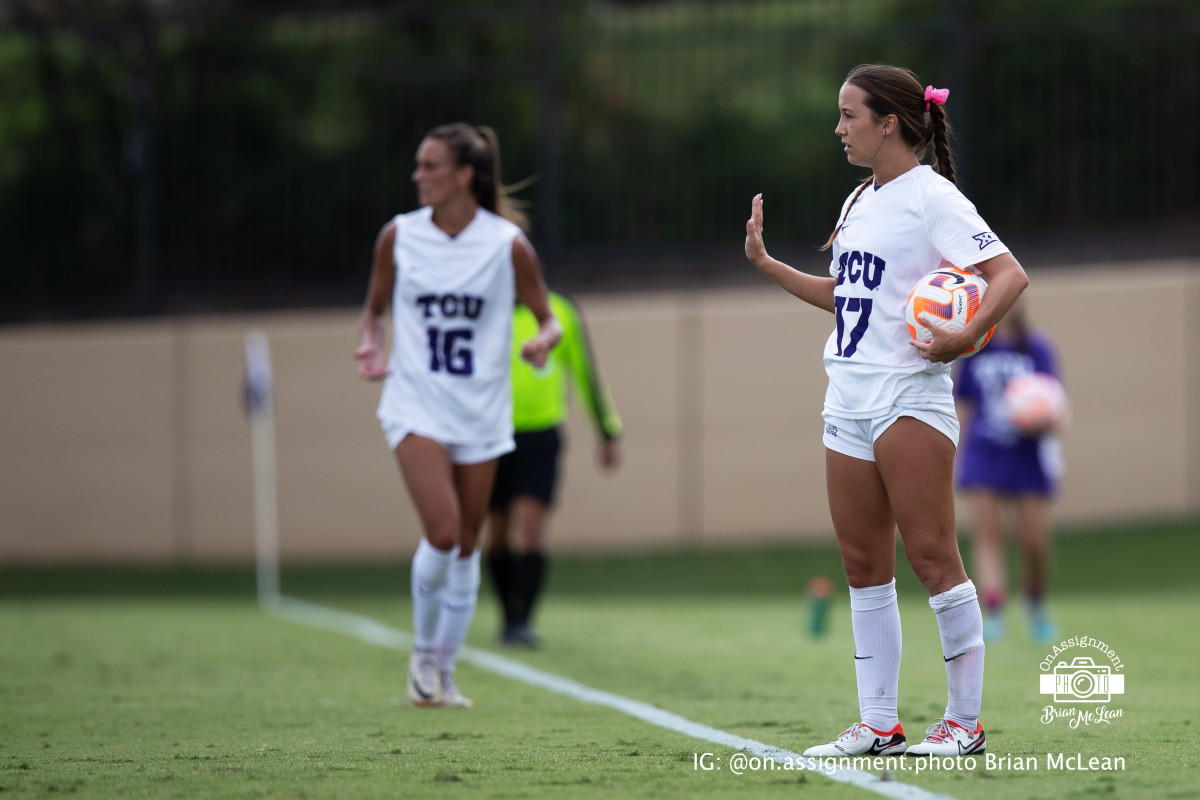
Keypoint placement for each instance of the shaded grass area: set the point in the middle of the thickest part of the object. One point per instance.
(1154, 557)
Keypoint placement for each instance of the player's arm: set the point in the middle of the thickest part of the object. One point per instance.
(371, 353)
(1006, 280)
(809, 288)
(531, 290)
(589, 382)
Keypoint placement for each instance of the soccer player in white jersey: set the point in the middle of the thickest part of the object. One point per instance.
(890, 425)
(451, 272)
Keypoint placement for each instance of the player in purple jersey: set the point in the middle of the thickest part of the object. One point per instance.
(999, 467)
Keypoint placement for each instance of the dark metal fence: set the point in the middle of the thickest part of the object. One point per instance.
(168, 155)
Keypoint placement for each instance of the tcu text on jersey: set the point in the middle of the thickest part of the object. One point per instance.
(856, 268)
(451, 305)
(450, 348)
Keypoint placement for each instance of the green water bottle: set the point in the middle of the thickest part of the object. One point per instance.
(820, 590)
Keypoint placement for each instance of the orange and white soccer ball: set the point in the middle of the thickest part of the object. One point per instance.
(951, 295)
(1035, 402)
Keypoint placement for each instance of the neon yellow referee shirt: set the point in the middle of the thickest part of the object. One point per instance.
(541, 397)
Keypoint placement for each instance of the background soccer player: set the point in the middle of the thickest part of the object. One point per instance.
(526, 478)
(1002, 468)
(451, 272)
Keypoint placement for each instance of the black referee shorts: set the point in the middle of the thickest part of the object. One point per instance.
(529, 471)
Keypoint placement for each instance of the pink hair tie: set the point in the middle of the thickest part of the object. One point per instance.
(936, 95)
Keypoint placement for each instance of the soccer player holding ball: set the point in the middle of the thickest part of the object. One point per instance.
(890, 423)
(1010, 457)
(451, 272)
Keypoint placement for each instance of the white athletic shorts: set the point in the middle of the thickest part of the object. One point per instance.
(395, 432)
(856, 437)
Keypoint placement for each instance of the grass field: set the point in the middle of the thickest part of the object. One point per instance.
(127, 683)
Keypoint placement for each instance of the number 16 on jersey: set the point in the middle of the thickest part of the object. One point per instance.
(450, 350)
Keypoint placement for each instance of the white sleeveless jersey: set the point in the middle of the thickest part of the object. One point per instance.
(892, 237)
(452, 311)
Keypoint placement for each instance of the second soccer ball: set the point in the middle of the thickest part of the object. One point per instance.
(1035, 403)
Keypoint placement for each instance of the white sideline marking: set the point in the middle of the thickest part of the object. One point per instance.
(368, 630)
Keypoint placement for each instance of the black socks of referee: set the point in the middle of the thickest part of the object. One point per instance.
(531, 571)
(502, 569)
(518, 582)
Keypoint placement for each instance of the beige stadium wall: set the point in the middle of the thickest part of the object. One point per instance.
(126, 441)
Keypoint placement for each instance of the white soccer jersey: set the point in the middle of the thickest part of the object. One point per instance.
(452, 329)
(892, 237)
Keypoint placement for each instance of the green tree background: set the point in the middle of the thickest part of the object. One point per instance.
(161, 156)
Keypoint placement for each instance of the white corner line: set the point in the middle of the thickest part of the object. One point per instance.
(373, 632)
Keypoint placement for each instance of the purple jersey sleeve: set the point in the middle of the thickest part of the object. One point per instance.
(1045, 360)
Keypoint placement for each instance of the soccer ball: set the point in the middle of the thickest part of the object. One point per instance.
(1035, 402)
(952, 296)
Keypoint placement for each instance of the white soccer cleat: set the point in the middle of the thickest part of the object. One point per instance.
(948, 738)
(424, 680)
(451, 696)
(861, 740)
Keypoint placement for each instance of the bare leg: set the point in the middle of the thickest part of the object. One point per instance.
(1033, 515)
(862, 520)
(922, 499)
(497, 530)
(531, 514)
(989, 549)
(1033, 520)
(473, 484)
(922, 495)
(429, 475)
(427, 472)
(866, 536)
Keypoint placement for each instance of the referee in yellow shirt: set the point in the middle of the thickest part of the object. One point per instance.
(525, 478)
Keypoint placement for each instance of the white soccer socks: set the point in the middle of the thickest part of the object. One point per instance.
(445, 590)
(430, 570)
(875, 618)
(960, 624)
(458, 608)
